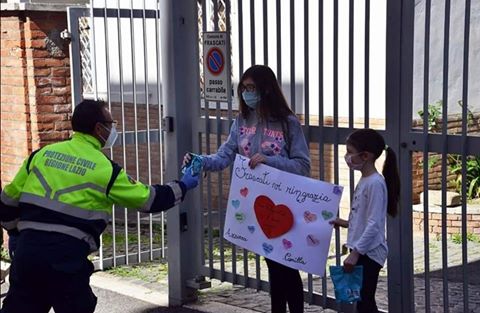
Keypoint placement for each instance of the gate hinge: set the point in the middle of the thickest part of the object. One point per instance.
(199, 283)
(167, 124)
(66, 35)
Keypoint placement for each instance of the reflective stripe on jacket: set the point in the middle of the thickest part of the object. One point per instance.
(70, 188)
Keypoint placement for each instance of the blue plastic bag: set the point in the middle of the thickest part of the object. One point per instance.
(195, 165)
(347, 285)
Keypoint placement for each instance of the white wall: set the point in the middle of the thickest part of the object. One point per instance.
(377, 53)
(125, 64)
(456, 50)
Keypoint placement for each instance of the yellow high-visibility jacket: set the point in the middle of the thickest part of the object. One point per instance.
(70, 188)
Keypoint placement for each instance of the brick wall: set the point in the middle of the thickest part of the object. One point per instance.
(35, 85)
(453, 223)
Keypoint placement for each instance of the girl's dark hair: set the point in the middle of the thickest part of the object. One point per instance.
(272, 103)
(370, 140)
(87, 114)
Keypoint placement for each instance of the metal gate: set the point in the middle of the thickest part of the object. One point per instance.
(112, 59)
(343, 65)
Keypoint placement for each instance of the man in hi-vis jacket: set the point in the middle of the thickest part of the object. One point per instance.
(60, 201)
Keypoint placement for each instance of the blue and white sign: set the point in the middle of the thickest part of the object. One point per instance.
(216, 68)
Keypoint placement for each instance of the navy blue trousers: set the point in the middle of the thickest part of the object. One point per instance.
(49, 270)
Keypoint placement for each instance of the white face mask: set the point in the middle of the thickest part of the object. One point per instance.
(112, 137)
(354, 166)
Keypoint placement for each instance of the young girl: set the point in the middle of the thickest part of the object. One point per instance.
(266, 131)
(374, 196)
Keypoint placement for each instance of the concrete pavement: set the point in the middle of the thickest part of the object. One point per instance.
(133, 295)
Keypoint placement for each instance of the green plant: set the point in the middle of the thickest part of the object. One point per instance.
(470, 116)
(457, 238)
(434, 113)
(149, 272)
(472, 180)
(432, 161)
(4, 256)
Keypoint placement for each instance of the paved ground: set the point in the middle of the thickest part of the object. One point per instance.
(140, 296)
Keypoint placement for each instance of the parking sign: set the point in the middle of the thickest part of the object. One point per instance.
(216, 68)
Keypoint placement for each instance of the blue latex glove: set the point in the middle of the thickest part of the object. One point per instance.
(189, 180)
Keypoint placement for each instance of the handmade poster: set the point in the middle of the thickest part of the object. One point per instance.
(282, 216)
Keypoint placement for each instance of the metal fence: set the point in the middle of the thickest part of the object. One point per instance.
(342, 65)
(114, 59)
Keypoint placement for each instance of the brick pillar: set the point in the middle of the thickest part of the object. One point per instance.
(35, 85)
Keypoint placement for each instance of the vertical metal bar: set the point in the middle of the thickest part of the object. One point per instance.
(444, 154)
(351, 120)
(279, 42)
(466, 50)
(321, 146)
(74, 49)
(426, 220)
(240, 65)
(306, 65)
(94, 54)
(265, 32)
(95, 92)
(122, 103)
(335, 113)
(335, 118)
(351, 15)
(215, 15)
(219, 174)
(147, 108)
(109, 100)
(199, 135)
(207, 143)
(292, 55)
(228, 25)
(252, 45)
(252, 31)
(160, 132)
(307, 107)
(367, 65)
(135, 118)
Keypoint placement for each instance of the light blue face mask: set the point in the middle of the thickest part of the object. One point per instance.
(251, 98)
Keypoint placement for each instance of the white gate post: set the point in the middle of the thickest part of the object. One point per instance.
(181, 100)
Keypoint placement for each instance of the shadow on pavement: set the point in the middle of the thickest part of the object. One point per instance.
(169, 310)
(455, 273)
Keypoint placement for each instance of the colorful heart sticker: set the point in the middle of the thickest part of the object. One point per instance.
(244, 192)
(236, 203)
(327, 215)
(251, 229)
(309, 216)
(268, 248)
(337, 190)
(287, 244)
(240, 217)
(274, 220)
(312, 240)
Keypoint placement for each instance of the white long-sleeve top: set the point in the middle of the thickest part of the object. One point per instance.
(366, 223)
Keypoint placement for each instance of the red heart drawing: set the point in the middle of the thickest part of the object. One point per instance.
(275, 220)
(244, 192)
